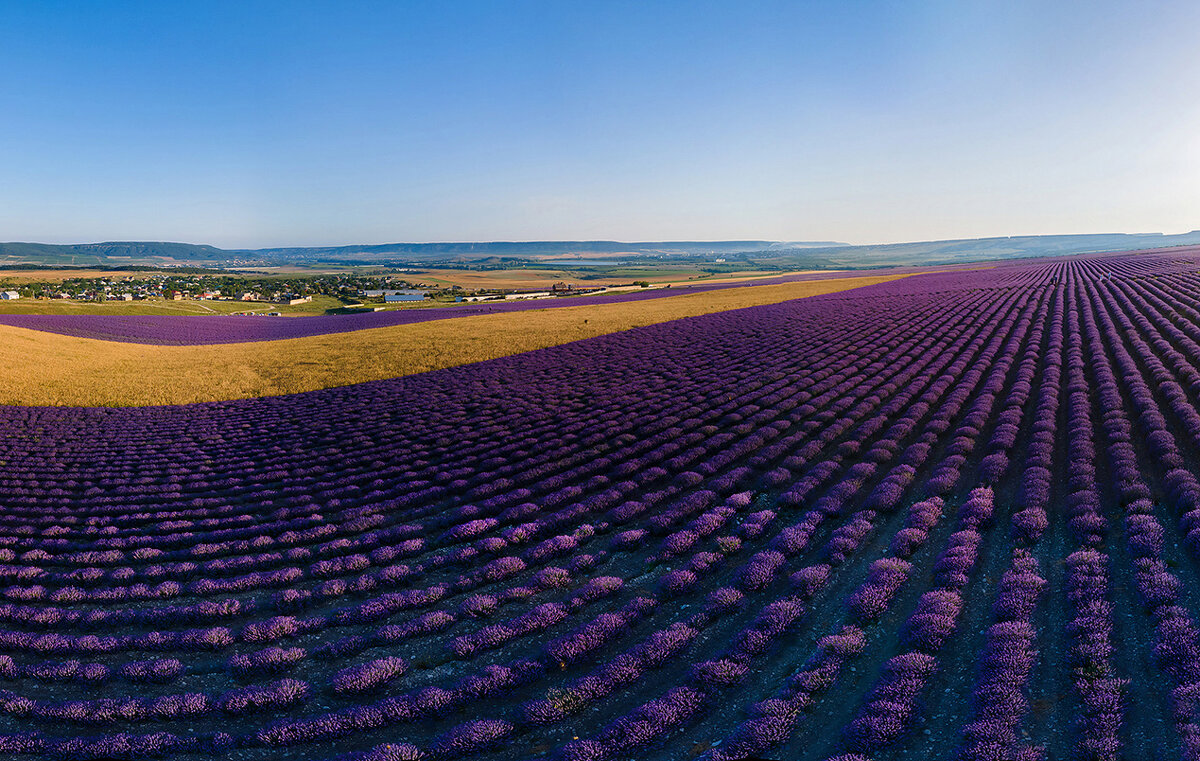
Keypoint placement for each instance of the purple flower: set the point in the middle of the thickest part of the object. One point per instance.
(472, 737)
(280, 694)
(368, 676)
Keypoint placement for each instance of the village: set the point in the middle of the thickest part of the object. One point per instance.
(349, 290)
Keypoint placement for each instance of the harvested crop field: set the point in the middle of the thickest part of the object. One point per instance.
(544, 277)
(87, 372)
(946, 516)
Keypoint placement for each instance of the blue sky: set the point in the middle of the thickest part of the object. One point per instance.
(246, 124)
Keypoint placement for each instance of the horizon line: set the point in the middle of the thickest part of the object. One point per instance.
(824, 243)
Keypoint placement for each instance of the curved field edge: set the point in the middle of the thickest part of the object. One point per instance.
(48, 369)
(193, 323)
(198, 329)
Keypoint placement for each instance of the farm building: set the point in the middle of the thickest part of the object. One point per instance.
(9, 295)
(404, 296)
(531, 295)
(382, 292)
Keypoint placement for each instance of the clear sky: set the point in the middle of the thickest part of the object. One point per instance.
(246, 124)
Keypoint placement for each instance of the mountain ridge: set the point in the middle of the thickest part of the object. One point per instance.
(814, 254)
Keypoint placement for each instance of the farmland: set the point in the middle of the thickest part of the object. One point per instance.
(538, 277)
(223, 362)
(213, 292)
(953, 515)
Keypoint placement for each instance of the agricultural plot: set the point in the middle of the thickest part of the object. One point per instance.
(947, 516)
(77, 371)
(196, 330)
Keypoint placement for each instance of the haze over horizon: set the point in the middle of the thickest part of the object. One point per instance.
(300, 124)
(354, 244)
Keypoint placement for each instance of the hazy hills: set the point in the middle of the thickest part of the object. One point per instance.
(978, 249)
(516, 249)
(112, 253)
(809, 254)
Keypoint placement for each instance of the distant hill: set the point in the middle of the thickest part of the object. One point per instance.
(423, 252)
(798, 254)
(111, 253)
(978, 249)
(147, 252)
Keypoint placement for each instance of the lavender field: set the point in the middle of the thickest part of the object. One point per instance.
(952, 516)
